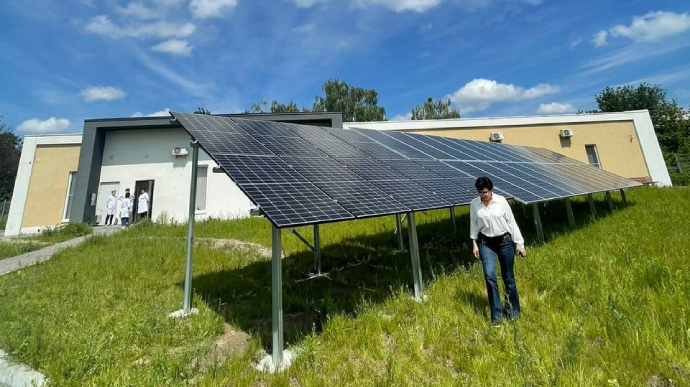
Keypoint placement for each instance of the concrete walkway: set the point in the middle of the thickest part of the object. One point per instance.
(18, 262)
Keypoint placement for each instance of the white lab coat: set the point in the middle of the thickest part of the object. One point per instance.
(125, 207)
(111, 205)
(143, 204)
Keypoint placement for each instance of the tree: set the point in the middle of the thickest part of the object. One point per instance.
(10, 151)
(355, 103)
(201, 110)
(431, 110)
(670, 121)
(276, 107)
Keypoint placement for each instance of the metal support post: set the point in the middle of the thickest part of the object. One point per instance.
(592, 209)
(414, 253)
(187, 304)
(398, 232)
(452, 219)
(623, 198)
(609, 200)
(569, 211)
(277, 299)
(537, 222)
(317, 250)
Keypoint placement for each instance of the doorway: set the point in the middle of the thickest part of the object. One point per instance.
(104, 190)
(138, 186)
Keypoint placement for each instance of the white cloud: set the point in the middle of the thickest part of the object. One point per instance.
(174, 47)
(139, 11)
(555, 108)
(101, 25)
(599, 38)
(401, 5)
(102, 93)
(162, 113)
(206, 9)
(402, 117)
(480, 93)
(303, 29)
(51, 125)
(575, 42)
(653, 26)
(307, 3)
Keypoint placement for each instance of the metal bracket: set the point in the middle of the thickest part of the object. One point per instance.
(300, 237)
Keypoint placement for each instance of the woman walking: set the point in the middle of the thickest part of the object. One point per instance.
(495, 233)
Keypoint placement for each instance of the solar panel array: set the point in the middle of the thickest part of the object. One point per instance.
(301, 174)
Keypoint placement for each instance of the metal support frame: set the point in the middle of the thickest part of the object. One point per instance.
(569, 211)
(317, 250)
(301, 238)
(277, 298)
(187, 304)
(609, 200)
(414, 253)
(398, 232)
(592, 208)
(623, 198)
(537, 222)
(452, 220)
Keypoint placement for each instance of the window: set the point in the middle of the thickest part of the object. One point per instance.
(70, 196)
(593, 155)
(201, 173)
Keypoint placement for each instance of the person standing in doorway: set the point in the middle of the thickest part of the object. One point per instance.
(111, 208)
(495, 233)
(143, 204)
(125, 209)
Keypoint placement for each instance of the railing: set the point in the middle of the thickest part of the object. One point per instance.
(4, 212)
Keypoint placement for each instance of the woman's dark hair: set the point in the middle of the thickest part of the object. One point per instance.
(484, 182)
(127, 194)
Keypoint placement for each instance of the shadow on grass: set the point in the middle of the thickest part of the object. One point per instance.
(363, 270)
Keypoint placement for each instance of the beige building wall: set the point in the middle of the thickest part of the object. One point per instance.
(617, 142)
(45, 200)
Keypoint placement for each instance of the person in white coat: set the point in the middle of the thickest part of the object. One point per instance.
(125, 209)
(110, 208)
(143, 204)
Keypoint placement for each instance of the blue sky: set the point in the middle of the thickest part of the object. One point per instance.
(65, 61)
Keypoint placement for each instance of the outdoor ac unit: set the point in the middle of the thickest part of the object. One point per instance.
(566, 133)
(180, 152)
(496, 136)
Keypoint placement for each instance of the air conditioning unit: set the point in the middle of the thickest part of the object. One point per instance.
(496, 136)
(180, 152)
(567, 133)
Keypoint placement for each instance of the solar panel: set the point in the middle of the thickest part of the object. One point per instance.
(302, 175)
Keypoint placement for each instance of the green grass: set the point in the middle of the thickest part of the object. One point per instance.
(47, 237)
(606, 304)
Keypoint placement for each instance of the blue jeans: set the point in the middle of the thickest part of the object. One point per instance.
(504, 248)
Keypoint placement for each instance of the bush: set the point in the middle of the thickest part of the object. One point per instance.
(678, 178)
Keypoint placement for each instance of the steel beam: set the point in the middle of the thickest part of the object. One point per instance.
(317, 250)
(537, 222)
(452, 219)
(569, 211)
(398, 232)
(187, 302)
(623, 198)
(277, 298)
(414, 253)
(592, 208)
(610, 201)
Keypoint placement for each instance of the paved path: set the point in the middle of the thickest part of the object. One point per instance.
(9, 265)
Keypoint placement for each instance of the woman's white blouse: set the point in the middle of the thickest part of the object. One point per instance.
(494, 220)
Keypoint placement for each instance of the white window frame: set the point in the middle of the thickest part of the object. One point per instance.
(70, 181)
(596, 154)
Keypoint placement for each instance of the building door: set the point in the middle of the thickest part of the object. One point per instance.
(104, 190)
(148, 186)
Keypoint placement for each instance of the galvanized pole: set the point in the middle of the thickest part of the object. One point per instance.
(401, 242)
(187, 304)
(414, 253)
(623, 198)
(592, 209)
(277, 299)
(452, 219)
(537, 222)
(317, 250)
(609, 200)
(569, 211)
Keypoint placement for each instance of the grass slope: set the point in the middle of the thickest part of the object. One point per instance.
(607, 304)
(49, 236)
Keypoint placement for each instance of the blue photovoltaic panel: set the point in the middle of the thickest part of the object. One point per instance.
(304, 174)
